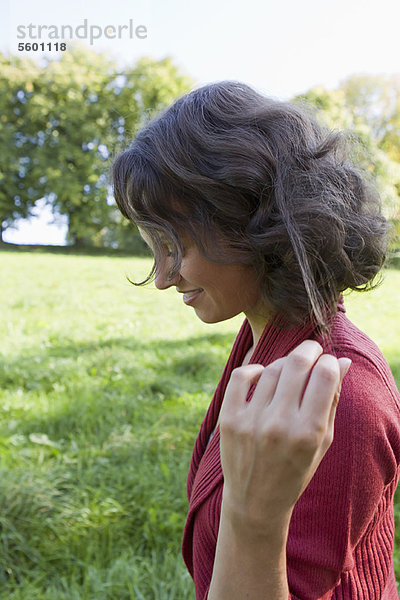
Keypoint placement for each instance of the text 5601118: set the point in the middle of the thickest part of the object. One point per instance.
(35, 46)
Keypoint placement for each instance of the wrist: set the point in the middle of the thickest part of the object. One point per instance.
(250, 558)
(248, 523)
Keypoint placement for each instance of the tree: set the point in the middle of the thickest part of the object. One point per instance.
(70, 108)
(21, 182)
(63, 121)
(369, 107)
(376, 100)
(139, 92)
(144, 89)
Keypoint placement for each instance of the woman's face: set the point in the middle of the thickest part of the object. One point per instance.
(216, 291)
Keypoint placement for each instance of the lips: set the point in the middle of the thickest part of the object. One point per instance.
(191, 294)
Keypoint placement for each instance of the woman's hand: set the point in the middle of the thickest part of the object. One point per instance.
(272, 445)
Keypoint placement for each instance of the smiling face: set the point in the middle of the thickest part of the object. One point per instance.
(216, 291)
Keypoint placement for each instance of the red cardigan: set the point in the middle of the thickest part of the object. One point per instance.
(341, 534)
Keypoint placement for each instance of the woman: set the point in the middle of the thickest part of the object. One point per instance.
(250, 206)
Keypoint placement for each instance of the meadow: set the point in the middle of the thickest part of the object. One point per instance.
(103, 387)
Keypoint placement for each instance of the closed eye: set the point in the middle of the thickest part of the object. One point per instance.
(167, 250)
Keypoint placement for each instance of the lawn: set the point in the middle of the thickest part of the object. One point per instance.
(103, 388)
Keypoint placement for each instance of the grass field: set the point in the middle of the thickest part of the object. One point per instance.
(103, 388)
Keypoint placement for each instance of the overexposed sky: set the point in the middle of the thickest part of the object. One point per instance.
(282, 47)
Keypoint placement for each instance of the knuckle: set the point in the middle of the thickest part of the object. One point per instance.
(228, 428)
(299, 360)
(318, 431)
(245, 374)
(235, 426)
(245, 431)
(275, 433)
(328, 371)
(238, 374)
(274, 369)
(307, 442)
(309, 345)
(321, 426)
(305, 447)
(328, 439)
(226, 423)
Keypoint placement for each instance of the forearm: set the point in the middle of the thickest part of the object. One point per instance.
(250, 563)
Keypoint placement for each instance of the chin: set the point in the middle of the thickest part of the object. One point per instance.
(214, 318)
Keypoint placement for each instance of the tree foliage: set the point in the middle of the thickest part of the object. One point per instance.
(21, 182)
(368, 107)
(61, 122)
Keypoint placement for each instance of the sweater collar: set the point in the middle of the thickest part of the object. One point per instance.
(276, 341)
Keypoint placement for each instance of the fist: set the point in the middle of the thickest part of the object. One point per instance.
(272, 445)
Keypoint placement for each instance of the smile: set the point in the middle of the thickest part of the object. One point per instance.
(189, 297)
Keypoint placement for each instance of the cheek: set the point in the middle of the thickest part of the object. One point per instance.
(230, 290)
(195, 272)
(243, 290)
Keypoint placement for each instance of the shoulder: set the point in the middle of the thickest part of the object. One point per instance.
(369, 373)
(368, 415)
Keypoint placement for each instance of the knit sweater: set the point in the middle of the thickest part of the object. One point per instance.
(341, 533)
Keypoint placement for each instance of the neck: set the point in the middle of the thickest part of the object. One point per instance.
(258, 319)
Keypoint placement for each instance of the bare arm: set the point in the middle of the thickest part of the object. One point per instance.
(270, 449)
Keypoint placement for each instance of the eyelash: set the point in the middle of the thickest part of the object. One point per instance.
(169, 251)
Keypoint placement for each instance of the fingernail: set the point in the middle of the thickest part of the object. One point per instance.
(347, 365)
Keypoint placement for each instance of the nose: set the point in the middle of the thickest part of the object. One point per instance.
(162, 279)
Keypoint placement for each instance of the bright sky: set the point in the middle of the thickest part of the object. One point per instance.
(282, 47)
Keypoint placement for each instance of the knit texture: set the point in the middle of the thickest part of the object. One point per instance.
(341, 534)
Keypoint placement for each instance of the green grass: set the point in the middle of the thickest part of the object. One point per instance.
(103, 388)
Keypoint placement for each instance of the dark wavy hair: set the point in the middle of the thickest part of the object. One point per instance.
(259, 182)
